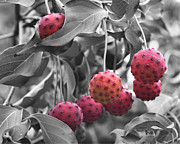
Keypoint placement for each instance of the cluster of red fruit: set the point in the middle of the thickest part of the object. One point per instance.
(106, 93)
(148, 66)
(106, 90)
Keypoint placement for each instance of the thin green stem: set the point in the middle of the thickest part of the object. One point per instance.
(47, 7)
(8, 35)
(115, 56)
(60, 80)
(106, 42)
(143, 35)
(8, 99)
(56, 86)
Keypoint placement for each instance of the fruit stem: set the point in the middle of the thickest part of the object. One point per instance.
(60, 74)
(6, 102)
(106, 41)
(115, 56)
(56, 83)
(47, 7)
(143, 35)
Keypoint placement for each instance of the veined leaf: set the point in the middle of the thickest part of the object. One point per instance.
(55, 131)
(18, 132)
(131, 8)
(36, 92)
(9, 117)
(119, 7)
(147, 121)
(68, 80)
(25, 3)
(19, 80)
(82, 16)
(16, 70)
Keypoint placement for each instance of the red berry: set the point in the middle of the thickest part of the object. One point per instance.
(148, 66)
(92, 110)
(122, 105)
(105, 87)
(50, 24)
(68, 112)
(147, 92)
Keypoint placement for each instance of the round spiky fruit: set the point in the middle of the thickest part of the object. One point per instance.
(105, 87)
(122, 105)
(50, 24)
(92, 110)
(147, 92)
(148, 66)
(68, 112)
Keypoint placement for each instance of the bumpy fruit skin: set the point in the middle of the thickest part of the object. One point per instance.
(68, 112)
(105, 87)
(147, 92)
(50, 24)
(122, 105)
(92, 110)
(148, 66)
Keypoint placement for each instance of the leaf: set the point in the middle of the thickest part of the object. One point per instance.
(133, 40)
(147, 121)
(121, 139)
(131, 8)
(9, 117)
(16, 71)
(153, 2)
(19, 131)
(162, 104)
(82, 16)
(8, 63)
(25, 3)
(72, 52)
(117, 35)
(54, 130)
(28, 67)
(36, 92)
(119, 7)
(68, 80)
(90, 39)
(20, 80)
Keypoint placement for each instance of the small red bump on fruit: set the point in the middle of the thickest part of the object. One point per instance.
(112, 91)
(106, 88)
(157, 61)
(147, 65)
(137, 64)
(51, 25)
(114, 84)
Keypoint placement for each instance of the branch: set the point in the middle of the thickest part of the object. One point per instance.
(4, 36)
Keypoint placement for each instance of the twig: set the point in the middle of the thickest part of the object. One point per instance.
(143, 35)
(106, 41)
(6, 102)
(4, 36)
(47, 7)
